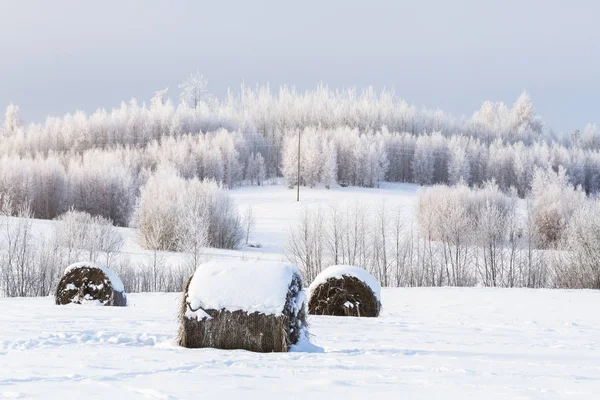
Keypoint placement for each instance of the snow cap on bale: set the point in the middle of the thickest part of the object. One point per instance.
(345, 290)
(90, 283)
(256, 306)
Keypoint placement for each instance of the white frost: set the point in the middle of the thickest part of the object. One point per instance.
(338, 271)
(114, 279)
(237, 285)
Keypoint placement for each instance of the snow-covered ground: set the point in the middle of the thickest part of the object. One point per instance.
(275, 211)
(450, 343)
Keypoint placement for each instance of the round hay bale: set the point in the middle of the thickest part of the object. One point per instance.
(259, 307)
(90, 283)
(345, 291)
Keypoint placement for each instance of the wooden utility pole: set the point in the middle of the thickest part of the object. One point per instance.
(298, 176)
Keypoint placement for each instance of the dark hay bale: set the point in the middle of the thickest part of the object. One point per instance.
(346, 296)
(256, 332)
(88, 282)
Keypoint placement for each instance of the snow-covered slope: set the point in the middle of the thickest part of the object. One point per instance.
(429, 343)
(275, 210)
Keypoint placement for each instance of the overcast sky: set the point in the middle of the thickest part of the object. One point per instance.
(59, 56)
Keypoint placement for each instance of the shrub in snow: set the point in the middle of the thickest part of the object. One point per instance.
(90, 283)
(578, 266)
(178, 214)
(555, 200)
(344, 290)
(254, 306)
(83, 235)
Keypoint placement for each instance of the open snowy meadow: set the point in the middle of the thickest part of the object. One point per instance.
(276, 211)
(451, 343)
(427, 343)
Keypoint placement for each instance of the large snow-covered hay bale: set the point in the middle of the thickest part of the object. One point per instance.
(255, 306)
(344, 290)
(90, 283)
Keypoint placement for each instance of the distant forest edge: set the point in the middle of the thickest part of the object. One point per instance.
(99, 163)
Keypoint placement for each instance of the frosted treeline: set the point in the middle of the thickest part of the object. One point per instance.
(172, 214)
(31, 263)
(517, 212)
(98, 163)
(461, 237)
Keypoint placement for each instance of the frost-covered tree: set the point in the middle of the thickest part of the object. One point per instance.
(232, 172)
(225, 224)
(443, 215)
(12, 120)
(84, 237)
(311, 160)
(17, 273)
(159, 99)
(255, 169)
(249, 222)
(72, 234)
(590, 139)
(101, 184)
(329, 171)
(178, 214)
(554, 202)
(493, 224)
(459, 166)
(158, 209)
(524, 118)
(261, 171)
(306, 244)
(194, 89)
(110, 240)
(377, 165)
(423, 161)
(579, 267)
(289, 167)
(193, 222)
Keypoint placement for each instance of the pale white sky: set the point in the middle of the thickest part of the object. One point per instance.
(61, 55)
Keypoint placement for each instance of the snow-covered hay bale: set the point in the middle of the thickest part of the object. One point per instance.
(90, 283)
(255, 306)
(344, 290)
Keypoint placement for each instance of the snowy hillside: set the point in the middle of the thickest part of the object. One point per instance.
(450, 343)
(276, 210)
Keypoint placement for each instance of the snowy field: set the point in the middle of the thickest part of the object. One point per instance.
(447, 343)
(450, 343)
(276, 211)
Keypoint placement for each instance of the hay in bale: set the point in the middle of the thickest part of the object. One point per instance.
(343, 290)
(255, 306)
(90, 283)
